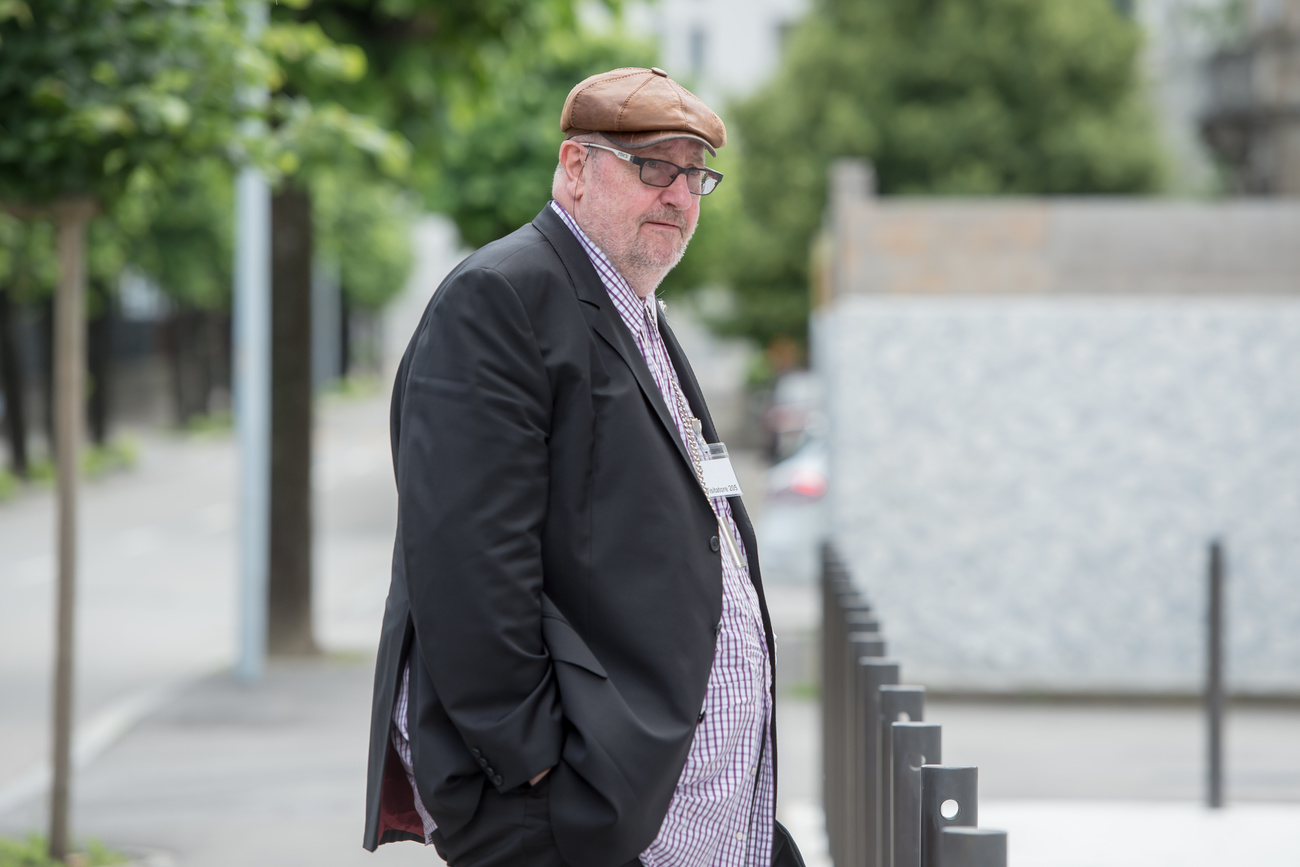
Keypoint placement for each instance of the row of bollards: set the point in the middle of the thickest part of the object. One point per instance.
(890, 802)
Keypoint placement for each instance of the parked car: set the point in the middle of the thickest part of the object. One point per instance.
(794, 406)
(794, 514)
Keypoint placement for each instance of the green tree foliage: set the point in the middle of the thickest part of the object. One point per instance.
(419, 52)
(28, 264)
(178, 232)
(502, 142)
(91, 90)
(364, 228)
(945, 97)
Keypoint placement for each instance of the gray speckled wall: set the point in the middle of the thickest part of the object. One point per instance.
(1026, 486)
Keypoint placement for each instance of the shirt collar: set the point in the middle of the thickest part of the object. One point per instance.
(631, 308)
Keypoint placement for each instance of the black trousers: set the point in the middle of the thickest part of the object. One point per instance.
(509, 829)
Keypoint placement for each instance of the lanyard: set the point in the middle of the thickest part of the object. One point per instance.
(694, 427)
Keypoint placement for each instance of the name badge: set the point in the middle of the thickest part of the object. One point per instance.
(719, 476)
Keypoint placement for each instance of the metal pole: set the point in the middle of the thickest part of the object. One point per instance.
(916, 744)
(1214, 678)
(69, 364)
(859, 646)
(972, 847)
(252, 305)
(897, 704)
(829, 653)
(948, 797)
(873, 674)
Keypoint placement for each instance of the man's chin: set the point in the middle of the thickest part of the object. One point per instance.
(661, 257)
(660, 249)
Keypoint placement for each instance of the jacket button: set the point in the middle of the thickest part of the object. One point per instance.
(700, 718)
(476, 753)
(482, 762)
(497, 780)
(714, 544)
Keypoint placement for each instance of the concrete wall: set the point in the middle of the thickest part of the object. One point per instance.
(1041, 411)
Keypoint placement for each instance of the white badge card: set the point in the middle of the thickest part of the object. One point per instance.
(719, 476)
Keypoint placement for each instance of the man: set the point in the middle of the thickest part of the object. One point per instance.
(576, 664)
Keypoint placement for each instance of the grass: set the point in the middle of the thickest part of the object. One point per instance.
(32, 851)
(8, 485)
(358, 385)
(213, 424)
(118, 454)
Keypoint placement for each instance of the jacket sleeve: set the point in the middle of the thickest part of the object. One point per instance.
(472, 476)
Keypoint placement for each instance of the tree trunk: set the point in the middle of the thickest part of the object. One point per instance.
(289, 623)
(345, 334)
(172, 340)
(70, 354)
(100, 356)
(45, 328)
(11, 383)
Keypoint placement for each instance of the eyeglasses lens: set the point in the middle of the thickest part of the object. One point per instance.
(662, 174)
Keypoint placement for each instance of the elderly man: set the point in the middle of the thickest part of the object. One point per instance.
(576, 664)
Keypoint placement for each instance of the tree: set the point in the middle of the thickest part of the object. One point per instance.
(364, 233)
(176, 230)
(945, 97)
(91, 90)
(395, 62)
(501, 144)
(28, 271)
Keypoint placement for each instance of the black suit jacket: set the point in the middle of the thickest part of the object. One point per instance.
(557, 581)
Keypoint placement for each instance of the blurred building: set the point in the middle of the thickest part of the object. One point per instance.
(721, 49)
(1252, 117)
(1180, 37)
(1041, 412)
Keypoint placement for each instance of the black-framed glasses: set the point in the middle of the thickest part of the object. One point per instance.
(661, 173)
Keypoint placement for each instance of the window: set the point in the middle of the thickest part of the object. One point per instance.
(698, 47)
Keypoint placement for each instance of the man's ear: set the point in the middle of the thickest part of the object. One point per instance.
(573, 156)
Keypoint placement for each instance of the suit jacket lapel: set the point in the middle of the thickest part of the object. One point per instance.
(602, 316)
(695, 396)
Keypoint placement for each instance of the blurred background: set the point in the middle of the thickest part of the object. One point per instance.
(1000, 296)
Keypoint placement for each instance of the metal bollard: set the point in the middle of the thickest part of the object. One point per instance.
(832, 631)
(897, 704)
(873, 673)
(838, 703)
(949, 796)
(972, 847)
(858, 645)
(861, 620)
(915, 744)
(838, 597)
(1214, 679)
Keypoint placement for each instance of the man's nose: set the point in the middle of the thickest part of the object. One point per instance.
(677, 193)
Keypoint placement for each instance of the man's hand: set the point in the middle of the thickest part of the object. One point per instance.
(537, 779)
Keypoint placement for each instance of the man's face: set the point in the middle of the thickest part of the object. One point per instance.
(642, 229)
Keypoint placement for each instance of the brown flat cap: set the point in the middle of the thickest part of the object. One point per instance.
(638, 108)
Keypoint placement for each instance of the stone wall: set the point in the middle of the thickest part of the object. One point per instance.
(1042, 411)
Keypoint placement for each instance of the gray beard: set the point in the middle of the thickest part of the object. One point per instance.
(643, 273)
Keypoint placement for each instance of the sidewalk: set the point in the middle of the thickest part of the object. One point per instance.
(274, 775)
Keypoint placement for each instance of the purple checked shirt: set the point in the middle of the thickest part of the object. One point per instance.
(722, 810)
